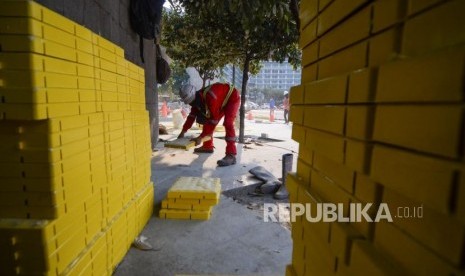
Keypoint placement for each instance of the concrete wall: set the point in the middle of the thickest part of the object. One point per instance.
(110, 19)
(379, 117)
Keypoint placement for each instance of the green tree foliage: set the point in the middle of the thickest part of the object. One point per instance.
(263, 95)
(189, 42)
(179, 77)
(241, 32)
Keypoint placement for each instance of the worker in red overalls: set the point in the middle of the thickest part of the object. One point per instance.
(209, 105)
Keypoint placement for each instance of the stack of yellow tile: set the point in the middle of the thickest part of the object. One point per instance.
(379, 117)
(191, 198)
(74, 146)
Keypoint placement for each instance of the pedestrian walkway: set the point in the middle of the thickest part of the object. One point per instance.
(236, 240)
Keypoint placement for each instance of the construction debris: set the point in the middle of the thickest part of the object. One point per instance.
(141, 243)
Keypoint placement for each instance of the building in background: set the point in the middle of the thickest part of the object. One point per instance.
(228, 75)
(273, 79)
(273, 75)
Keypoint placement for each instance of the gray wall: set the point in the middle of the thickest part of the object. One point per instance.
(110, 19)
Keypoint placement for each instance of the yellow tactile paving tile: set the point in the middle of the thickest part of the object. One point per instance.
(180, 143)
(383, 72)
(61, 80)
(165, 204)
(32, 199)
(191, 198)
(34, 96)
(48, 241)
(184, 214)
(59, 245)
(195, 188)
(28, 26)
(47, 59)
(203, 202)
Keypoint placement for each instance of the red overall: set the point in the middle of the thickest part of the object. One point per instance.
(217, 106)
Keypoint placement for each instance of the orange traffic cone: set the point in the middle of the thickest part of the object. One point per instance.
(249, 115)
(272, 116)
(164, 110)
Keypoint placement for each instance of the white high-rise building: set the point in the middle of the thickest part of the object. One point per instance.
(273, 75)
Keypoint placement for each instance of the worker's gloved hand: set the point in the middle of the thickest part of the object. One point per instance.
(197, 140)
(181, 135)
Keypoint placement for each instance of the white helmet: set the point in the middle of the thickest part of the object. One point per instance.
(187, 93)
(285, 93)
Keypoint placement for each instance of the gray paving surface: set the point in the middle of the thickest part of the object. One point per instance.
(236, 240)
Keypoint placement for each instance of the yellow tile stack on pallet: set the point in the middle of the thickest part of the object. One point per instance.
(191, 198)
(380, 118)
(74, 146)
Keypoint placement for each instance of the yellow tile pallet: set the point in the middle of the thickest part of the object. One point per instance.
(35, 11)
(29, 254)
(144, 205)
(185, 214)
(44, 170)
(319, 258)
(181, 143)
(43, 103)
(191, 198)
(47, 205)
(364, 113)
(66, 242)
(413, 253)
(37, 112)
(420, 171)
(56, 69)
(429, 229)
(21, 140)
(195, 188)
(165, 204)
(366, 259)
(194, 202)
(64, 157)
(21, 174)
(418, 129)
(31, 62)
(118, 225)
(54, 26)
(32, 198)
(17, 43)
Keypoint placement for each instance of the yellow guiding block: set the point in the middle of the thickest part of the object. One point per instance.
(180, 143)
(202, 202)
(195, 188)
(184, 214)
(165, 204)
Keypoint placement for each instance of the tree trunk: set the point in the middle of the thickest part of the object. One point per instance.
(234, 75)
(204, 81)
(245, 78)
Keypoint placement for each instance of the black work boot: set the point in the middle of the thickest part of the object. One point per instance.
(282, 192)
(270, 187)
(228, 160)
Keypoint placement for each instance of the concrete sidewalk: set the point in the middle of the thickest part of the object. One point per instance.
(236, 240)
